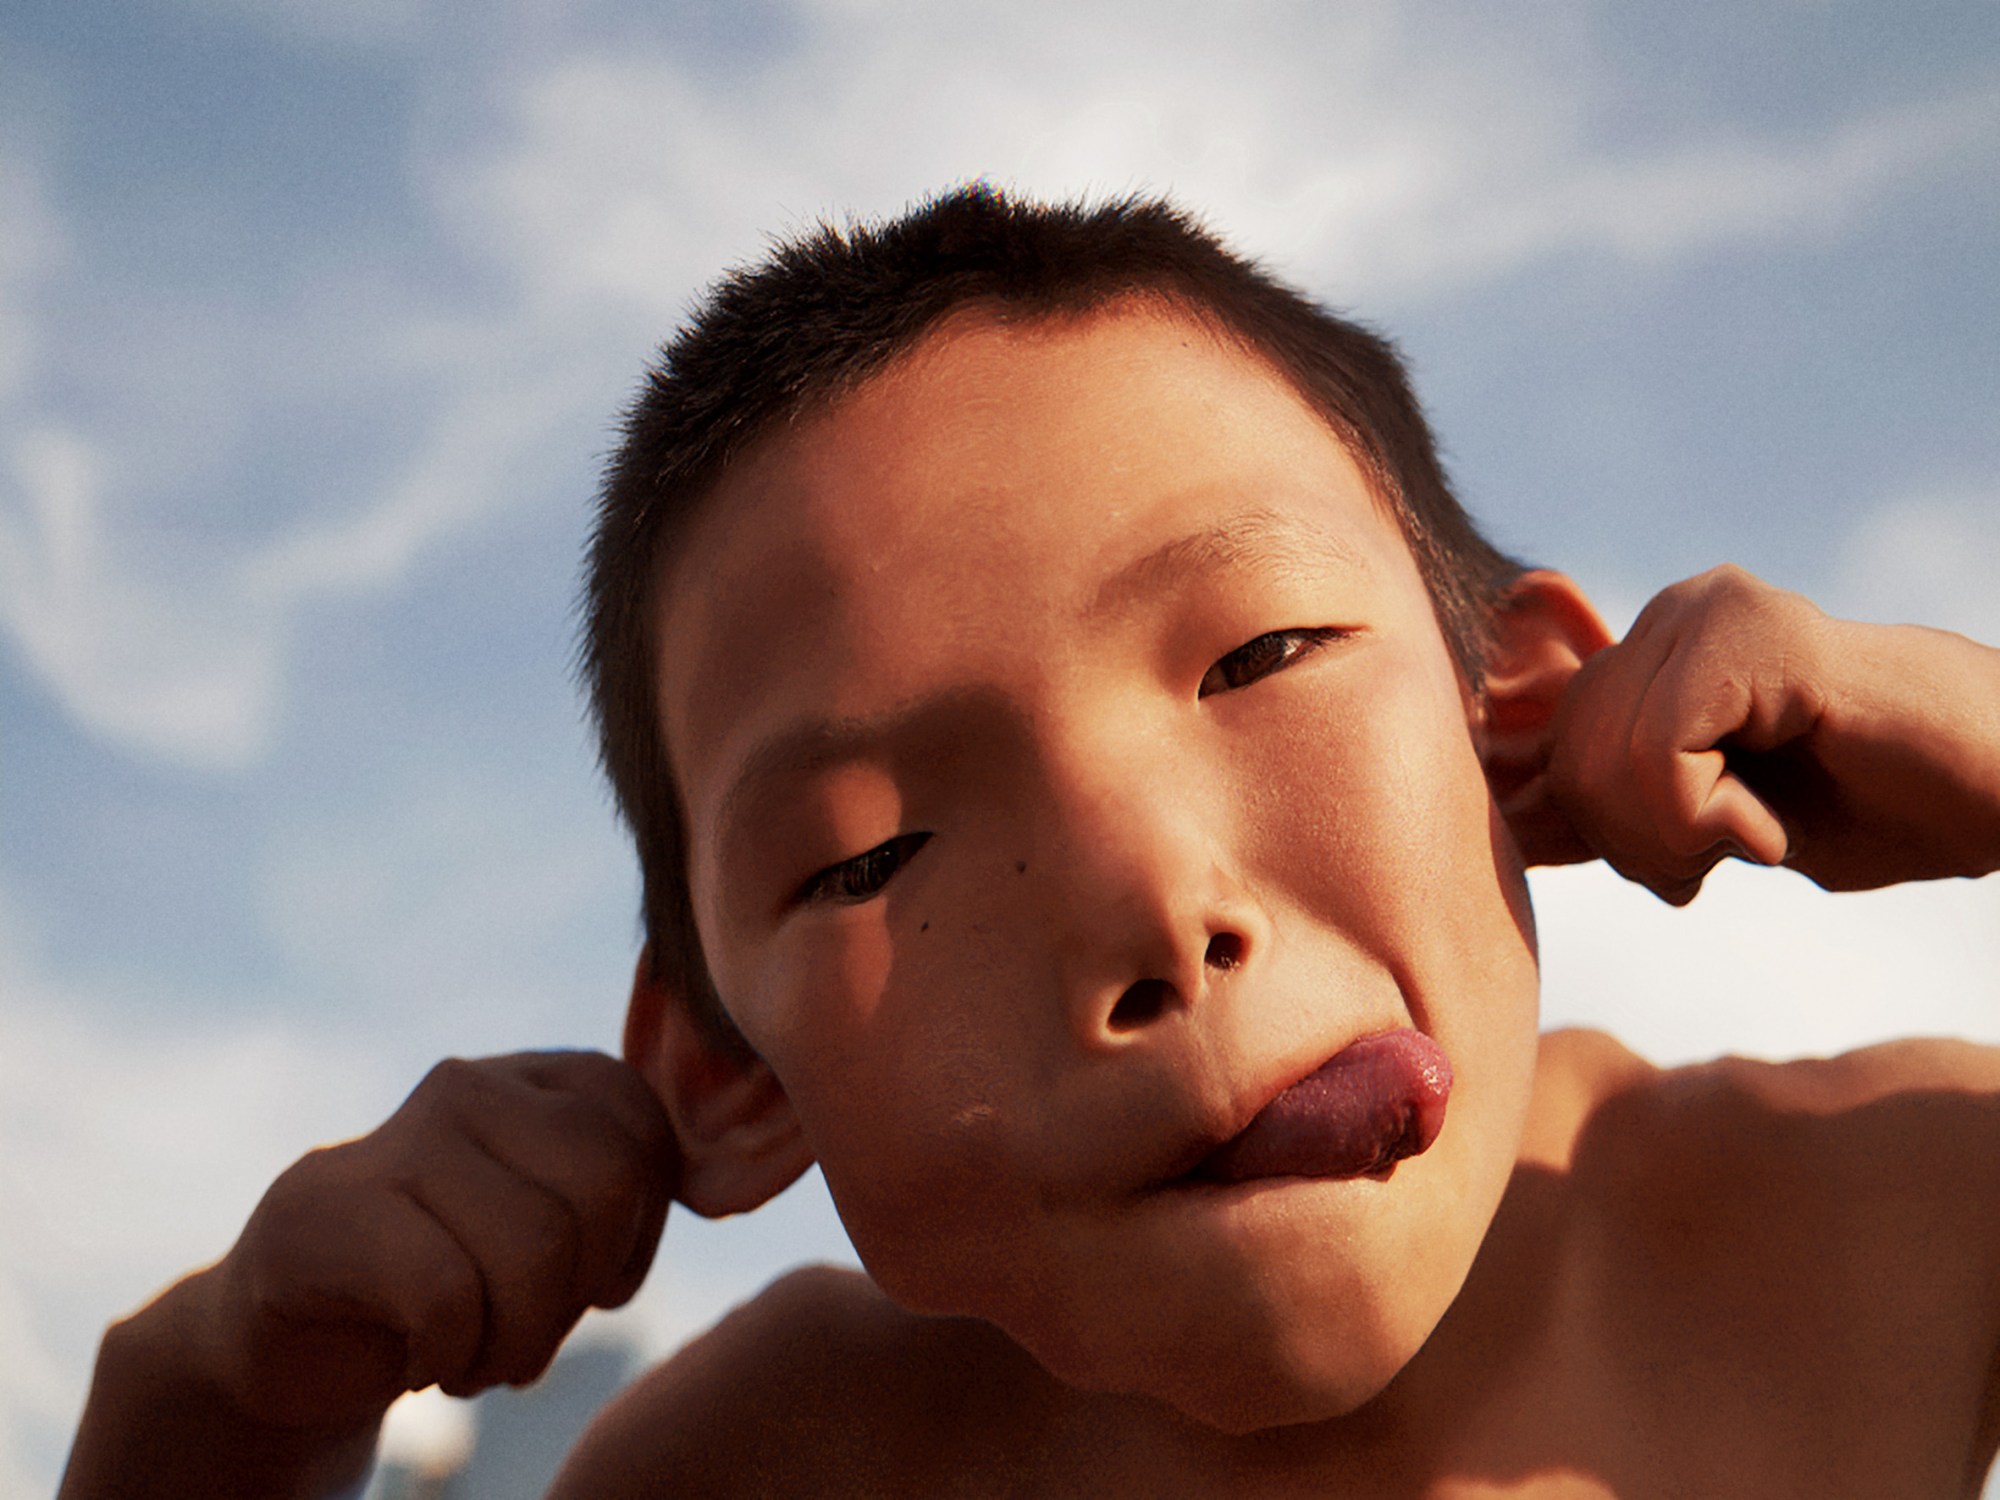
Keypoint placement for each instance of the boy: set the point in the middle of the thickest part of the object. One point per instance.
(1083, 765)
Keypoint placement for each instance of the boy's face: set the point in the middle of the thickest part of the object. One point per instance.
(982, 621)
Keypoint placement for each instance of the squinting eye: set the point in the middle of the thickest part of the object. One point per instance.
(855, 880)
(1271, 652)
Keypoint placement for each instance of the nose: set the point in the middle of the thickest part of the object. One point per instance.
(1148, 913)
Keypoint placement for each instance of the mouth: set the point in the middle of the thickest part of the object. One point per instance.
(1374, 1103)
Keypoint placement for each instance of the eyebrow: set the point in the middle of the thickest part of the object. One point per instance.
(801, 749)
(1279, 541)
(1272, 538)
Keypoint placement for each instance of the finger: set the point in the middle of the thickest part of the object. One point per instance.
(1593, 764)
(334, 1243)
(1741, 817)
(615, 1085)
(523, 1242)
(1542, 827)
(586, 1130)
(1729, 820)
(1683, 775)
(623, 1286)
(1700, 812)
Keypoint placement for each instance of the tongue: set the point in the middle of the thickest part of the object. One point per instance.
(1364, 1110)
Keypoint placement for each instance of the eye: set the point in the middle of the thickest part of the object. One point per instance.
(855, 880)
(1271, 652)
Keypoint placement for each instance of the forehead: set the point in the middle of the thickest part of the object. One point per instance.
(978, 508)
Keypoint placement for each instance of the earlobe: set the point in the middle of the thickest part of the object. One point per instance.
(1543, 632)
(740, 1141)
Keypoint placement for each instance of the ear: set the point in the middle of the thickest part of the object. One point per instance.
(740, 1142)
(1543, 632)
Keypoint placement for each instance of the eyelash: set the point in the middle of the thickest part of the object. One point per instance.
(861, 878)
(1291, 646)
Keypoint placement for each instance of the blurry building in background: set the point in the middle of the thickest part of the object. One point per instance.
(507, 1444)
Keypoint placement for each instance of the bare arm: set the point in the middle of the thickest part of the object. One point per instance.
(457, 1245)
(1738, 719)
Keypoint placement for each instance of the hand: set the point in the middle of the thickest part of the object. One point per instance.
(1737, 719)
(458, 1244)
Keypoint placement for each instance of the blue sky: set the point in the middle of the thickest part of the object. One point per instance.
(315, 316)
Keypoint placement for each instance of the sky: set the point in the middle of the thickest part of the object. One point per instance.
(316, 315)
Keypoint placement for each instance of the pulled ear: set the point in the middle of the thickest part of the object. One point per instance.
(1543, 632)
(740, 1142)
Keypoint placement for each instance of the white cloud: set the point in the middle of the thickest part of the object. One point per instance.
(182, 652)
(457, 478)
(134, 1142)
(458, 907)
(1931, 558)
(430, 1432)
(172, 666)
(131, 1150)
(31, 249)
(1765, 963)
(1390, 156)
(1489, 218)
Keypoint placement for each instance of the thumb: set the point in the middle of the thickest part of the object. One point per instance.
(1541, 827)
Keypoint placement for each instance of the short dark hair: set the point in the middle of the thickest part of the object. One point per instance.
(826, 310)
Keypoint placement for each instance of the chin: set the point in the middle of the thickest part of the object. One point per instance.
(1252, 1382)
(1240, 1401)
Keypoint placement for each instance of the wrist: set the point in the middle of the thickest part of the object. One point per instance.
(164, 1419)
(1922, 707)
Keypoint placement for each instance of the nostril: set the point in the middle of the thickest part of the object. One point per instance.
(1140, 1004)
(1225, 951)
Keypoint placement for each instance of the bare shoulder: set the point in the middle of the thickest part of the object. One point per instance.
(819, 1385)
(1811, 1244)
(1850, 1190)
(1918, 1066)
(1910, 1114)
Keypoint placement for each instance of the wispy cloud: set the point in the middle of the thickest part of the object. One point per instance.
(157, 662)
(1766, 964)
(30, 251)
(128, 1149)
(1930, 557)
(1480, 218)
(1349, 143)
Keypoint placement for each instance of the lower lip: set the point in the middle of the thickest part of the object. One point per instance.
(1369, 1106)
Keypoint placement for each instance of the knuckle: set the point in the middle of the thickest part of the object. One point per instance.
(539, 1349)
(525, 1339)
(575, 1114)
(1687, 845)
(315, 1189)
(568, 1070)
(447, 1313)
(445, 1301)
(545, 1245)
(452, 1077)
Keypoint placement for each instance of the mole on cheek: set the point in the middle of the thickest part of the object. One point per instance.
(1020, 867)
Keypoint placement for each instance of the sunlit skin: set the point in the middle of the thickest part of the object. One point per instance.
(1021, 675)
(1004, 605)
(1072, 762)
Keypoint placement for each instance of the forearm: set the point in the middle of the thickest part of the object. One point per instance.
(1928, 701)
(158, 1424)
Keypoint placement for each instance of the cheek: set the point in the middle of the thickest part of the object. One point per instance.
(1386, 834)
(821, 980)
(1376, 799)
(910, 1097)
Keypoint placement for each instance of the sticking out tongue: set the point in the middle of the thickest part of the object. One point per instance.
(1364, 1110)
